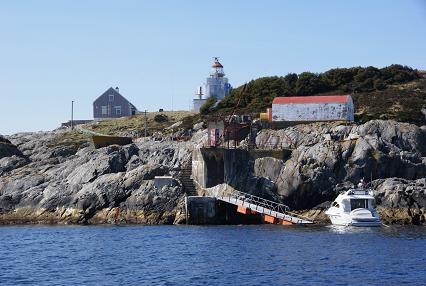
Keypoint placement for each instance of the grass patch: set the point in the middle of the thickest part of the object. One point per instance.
(401, 103)
(134, 126)
(70, 138)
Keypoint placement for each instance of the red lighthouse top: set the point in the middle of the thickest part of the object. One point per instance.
(216, 63)
(217, 69)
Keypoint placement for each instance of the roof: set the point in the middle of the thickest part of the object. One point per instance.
(112, 90)
(217, 65)
(312, 99)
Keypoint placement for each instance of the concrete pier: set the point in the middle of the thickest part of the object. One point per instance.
(214, 166)
(209, 210)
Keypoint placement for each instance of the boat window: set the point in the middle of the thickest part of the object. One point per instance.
(359, 204)
(373, 204)
(345, 205)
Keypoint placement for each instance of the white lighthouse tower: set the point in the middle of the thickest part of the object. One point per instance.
(217, 85)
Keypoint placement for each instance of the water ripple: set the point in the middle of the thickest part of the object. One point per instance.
(217, 255)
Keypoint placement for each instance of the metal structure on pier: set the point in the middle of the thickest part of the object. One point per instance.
(272, 212)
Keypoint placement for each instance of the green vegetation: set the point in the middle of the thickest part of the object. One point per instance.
(394, 92)
(208, 105)
(72, 138)
(134, 126)
(399, 102)
(161, 118)
(189, 121)
(260, 92)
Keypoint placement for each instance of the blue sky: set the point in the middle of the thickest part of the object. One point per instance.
(52, 52)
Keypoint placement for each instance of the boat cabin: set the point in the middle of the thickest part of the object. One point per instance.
(354, 207)
(358, 201)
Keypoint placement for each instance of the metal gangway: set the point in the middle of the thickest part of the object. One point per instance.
(262, 206)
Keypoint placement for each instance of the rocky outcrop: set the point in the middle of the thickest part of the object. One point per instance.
(58, 177)
(10, 156)
(401, 201)
(63, 182)
(327, 157)
(7, 149)
(400, 193)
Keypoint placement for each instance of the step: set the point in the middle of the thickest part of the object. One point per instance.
(187, 181)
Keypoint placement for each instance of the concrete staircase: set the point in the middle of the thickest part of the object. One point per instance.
(187, 181)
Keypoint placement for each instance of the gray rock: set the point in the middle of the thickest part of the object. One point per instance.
(316, 168)
(10, 163)
(268, 167)
(58, 179)
(198, 126)
(400, 193)
(133, 163)
(46, 176)
(7, 149)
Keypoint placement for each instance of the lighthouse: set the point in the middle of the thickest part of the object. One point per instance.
(216, 85)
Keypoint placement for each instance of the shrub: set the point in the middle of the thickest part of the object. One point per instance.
(161, 118)
(259, 93)
(208, 105)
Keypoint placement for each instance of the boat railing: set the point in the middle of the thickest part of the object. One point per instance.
(360, 192)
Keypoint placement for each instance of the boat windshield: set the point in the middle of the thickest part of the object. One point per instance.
(359, 204)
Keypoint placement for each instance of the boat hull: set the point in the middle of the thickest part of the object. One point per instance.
(346, 220)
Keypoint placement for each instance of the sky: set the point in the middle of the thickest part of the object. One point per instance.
(158, 52)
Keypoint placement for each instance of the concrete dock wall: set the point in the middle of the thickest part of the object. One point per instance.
(208, 210)
(208, 166)
(201, 210)
(214, 166)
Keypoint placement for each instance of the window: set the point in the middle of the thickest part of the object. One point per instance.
(359, 204)
(111, 97)
(345, 205)
(117, 110)
(104, 110)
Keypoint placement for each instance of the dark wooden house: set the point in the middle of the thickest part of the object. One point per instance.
(111, 104)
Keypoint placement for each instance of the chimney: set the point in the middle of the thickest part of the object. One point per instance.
(117, 89)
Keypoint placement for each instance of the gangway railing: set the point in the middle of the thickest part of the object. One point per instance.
(249, 198)
(262, 206)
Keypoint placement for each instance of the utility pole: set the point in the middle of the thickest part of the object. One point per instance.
(145, 122)
(72, 115)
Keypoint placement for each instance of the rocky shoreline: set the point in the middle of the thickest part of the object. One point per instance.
(53, 178)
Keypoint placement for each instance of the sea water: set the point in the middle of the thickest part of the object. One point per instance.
(212, 255)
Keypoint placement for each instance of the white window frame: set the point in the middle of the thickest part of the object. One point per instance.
(117, 110)
(104, 110)
(111, 98)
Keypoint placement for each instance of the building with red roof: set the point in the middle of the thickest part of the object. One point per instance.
(312, 108)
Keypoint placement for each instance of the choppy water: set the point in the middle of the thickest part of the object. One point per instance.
(215, 255)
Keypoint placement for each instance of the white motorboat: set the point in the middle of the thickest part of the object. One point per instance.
(355, 207)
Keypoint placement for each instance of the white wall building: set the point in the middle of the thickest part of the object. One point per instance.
(312, 108)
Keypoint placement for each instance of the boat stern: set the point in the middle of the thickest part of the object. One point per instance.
(364, 217)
